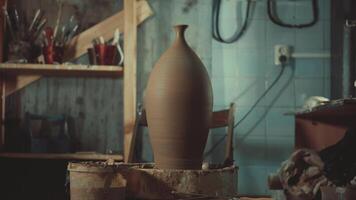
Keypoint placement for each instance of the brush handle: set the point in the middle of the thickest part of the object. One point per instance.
(9, 22)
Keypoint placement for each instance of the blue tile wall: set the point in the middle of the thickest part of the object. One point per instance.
(253, 126)
(309, 68)
(251, 180)
(242, 71)
(309, 39)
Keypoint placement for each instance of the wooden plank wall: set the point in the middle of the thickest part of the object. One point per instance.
(96, 104)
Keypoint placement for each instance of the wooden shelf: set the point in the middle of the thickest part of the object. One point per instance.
(65, 156)
(335, 109)
(61, 70)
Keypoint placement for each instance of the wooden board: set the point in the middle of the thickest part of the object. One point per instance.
(342, 108)
(79, 44)
(2, 80)
(61, 70)
(318, 135)
(66, 156)
(130, 84)
(16, 83)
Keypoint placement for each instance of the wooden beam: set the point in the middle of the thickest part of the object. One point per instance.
(2, 30)
(2, 111)
(13, 70)
(229, 149)
(2, 81)
(16, 83)
(130, 85)
(81, 42)
(63, 156)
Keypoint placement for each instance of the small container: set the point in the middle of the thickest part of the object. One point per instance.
(53, 53)
(110, 55)
(106, 54)
(23, 50)
(92, 56)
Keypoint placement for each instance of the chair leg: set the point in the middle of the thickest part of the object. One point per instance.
(229, 151)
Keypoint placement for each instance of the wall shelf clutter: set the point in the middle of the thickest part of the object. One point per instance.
(14, 77)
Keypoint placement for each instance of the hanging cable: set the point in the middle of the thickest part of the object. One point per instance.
(272, 14)
(249, 111)
(216, 23)
(261, 97)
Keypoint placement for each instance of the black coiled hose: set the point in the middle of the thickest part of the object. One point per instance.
(272, 14)
(216, 23)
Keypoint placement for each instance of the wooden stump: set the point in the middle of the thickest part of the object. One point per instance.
(146, 182)
(92, 181)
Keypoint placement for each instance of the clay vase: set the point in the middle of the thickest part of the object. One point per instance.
(178, 103)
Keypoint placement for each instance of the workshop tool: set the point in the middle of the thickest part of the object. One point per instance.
(9, 23)
(116, 42)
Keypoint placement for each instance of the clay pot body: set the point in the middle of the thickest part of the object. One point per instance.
(178, 105)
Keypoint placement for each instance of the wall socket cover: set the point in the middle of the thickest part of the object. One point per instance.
(282, 50)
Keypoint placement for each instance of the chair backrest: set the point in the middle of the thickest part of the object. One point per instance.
(221, 118)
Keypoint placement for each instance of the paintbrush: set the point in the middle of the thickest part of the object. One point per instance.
(95, 41)
(38, 21)
(71, 21)
(62, 36)
(101, 40)
(19, 31)
(45, 38)
(39, 28)
(9, 22)
(17, 19)
(49, 35)
(38, 12)
(59, 16)
(71, 33)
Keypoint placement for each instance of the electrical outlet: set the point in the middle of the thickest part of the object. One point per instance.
(282, 53)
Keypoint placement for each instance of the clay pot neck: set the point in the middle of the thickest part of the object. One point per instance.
(180, 30)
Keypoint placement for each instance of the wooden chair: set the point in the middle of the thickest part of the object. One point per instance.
(222, 118)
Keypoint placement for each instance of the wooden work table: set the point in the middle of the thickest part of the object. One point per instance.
(324, 125)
